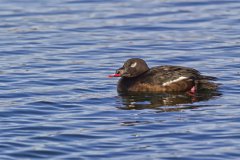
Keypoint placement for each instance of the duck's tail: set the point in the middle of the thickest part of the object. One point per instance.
(204, 83)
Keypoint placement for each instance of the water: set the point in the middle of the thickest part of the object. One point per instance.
(56, 101)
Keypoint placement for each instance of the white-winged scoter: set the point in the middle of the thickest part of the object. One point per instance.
(136, 76)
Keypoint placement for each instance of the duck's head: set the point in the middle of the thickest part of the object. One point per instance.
(132, 68)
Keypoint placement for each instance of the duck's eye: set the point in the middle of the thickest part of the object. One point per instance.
(133, 65)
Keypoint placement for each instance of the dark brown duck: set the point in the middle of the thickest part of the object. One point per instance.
(136, 76)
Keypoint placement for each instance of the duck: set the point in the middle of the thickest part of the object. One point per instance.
(136, 76)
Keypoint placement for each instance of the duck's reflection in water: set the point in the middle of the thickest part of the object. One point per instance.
(164, 102)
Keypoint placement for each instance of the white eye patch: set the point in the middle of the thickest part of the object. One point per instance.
(133, 65)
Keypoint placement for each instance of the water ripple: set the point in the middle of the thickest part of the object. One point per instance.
(56, 101)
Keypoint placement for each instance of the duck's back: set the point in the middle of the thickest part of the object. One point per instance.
(164, 75)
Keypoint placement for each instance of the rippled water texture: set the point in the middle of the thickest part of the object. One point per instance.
(56, 101)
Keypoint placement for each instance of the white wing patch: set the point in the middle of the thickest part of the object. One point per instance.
(173, 81)
(133, 65)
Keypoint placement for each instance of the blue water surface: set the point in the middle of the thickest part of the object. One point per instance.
(56, 101)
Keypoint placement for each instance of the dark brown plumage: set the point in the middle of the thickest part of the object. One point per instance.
(136, 76)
